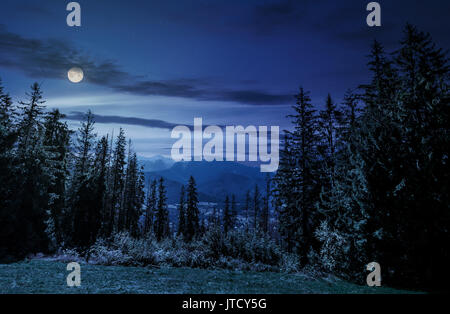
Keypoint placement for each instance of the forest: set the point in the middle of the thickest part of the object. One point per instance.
(362, 181)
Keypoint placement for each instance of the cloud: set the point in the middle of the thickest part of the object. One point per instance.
(52, 58)
(150, 123)
(254, 97)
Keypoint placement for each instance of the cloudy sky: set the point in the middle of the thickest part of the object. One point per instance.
(150, 65)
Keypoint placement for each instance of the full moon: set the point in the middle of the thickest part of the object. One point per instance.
(75, 75)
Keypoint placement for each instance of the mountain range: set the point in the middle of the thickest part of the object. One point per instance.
(215, 180)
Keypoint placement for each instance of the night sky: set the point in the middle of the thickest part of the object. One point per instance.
(150, 65)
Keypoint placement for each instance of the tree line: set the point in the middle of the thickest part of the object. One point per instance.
(60, 188)
(368, 180)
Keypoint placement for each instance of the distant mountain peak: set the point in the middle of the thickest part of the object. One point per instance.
(214, 179)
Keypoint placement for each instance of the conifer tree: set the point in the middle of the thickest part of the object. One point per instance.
(266, 208)
(84, 148)
(417, 170)
(117, 182)
(150, 206)
(192, 212)
(285, 196)
(133, 196)
(256, 207)
(234, 213)
(296, 183)
(227, 217)
(8, 172)
(161, 225)
(246, 209)
(85, 206)
(30, 123)
(329, 129)
(33, 178)
(182, 213)
(57, 142)
(214, 219)
(100, 178)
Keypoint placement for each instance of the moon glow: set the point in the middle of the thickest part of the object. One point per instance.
(75, 75)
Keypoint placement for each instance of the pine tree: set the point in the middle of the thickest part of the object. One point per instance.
(161, 225)
(266, 208)
(234, 213)
(297, 189)
(139, 201)
(100, 177)
(419, 119)
(192, 212)
(7, 115)
(227, 218)
(84, 145)
(33, 177)
(150, 206)
(256, 207)
(30, 121)
(246, 209)
(329, 123)
(117, 181)
(350, 112)
(8, 172)
(182, 213)
(85, 206)
(285, 196)
(57, 142)
(133, 196)
(129, 192)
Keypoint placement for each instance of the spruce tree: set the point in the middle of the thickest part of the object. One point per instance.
(84, 148)
(192, 212)
(256, 207)
(150, 206)
(418, 169)
(30, 123)
(57, 142)
(265, 213)
(296, 186)
(117, 181)
(246, 209)
(33, 178)
(133, 196)
(227, 217)
(234, 213)
(182, 213)
(100, 177)
(83, 202)
(8, 175)
(285, 196)
(162, 229)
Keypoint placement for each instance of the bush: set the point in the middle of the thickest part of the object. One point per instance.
(290, 263)
(249, 247)
(235, 250)
(68, 256)
(334, 248)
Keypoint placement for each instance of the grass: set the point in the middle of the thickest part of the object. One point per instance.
(40, 276)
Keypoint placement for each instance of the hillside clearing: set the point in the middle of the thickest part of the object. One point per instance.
(40, 276)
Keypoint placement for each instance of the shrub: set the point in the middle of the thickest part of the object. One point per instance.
(237, 250)
(334, 248)
(290, 263)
